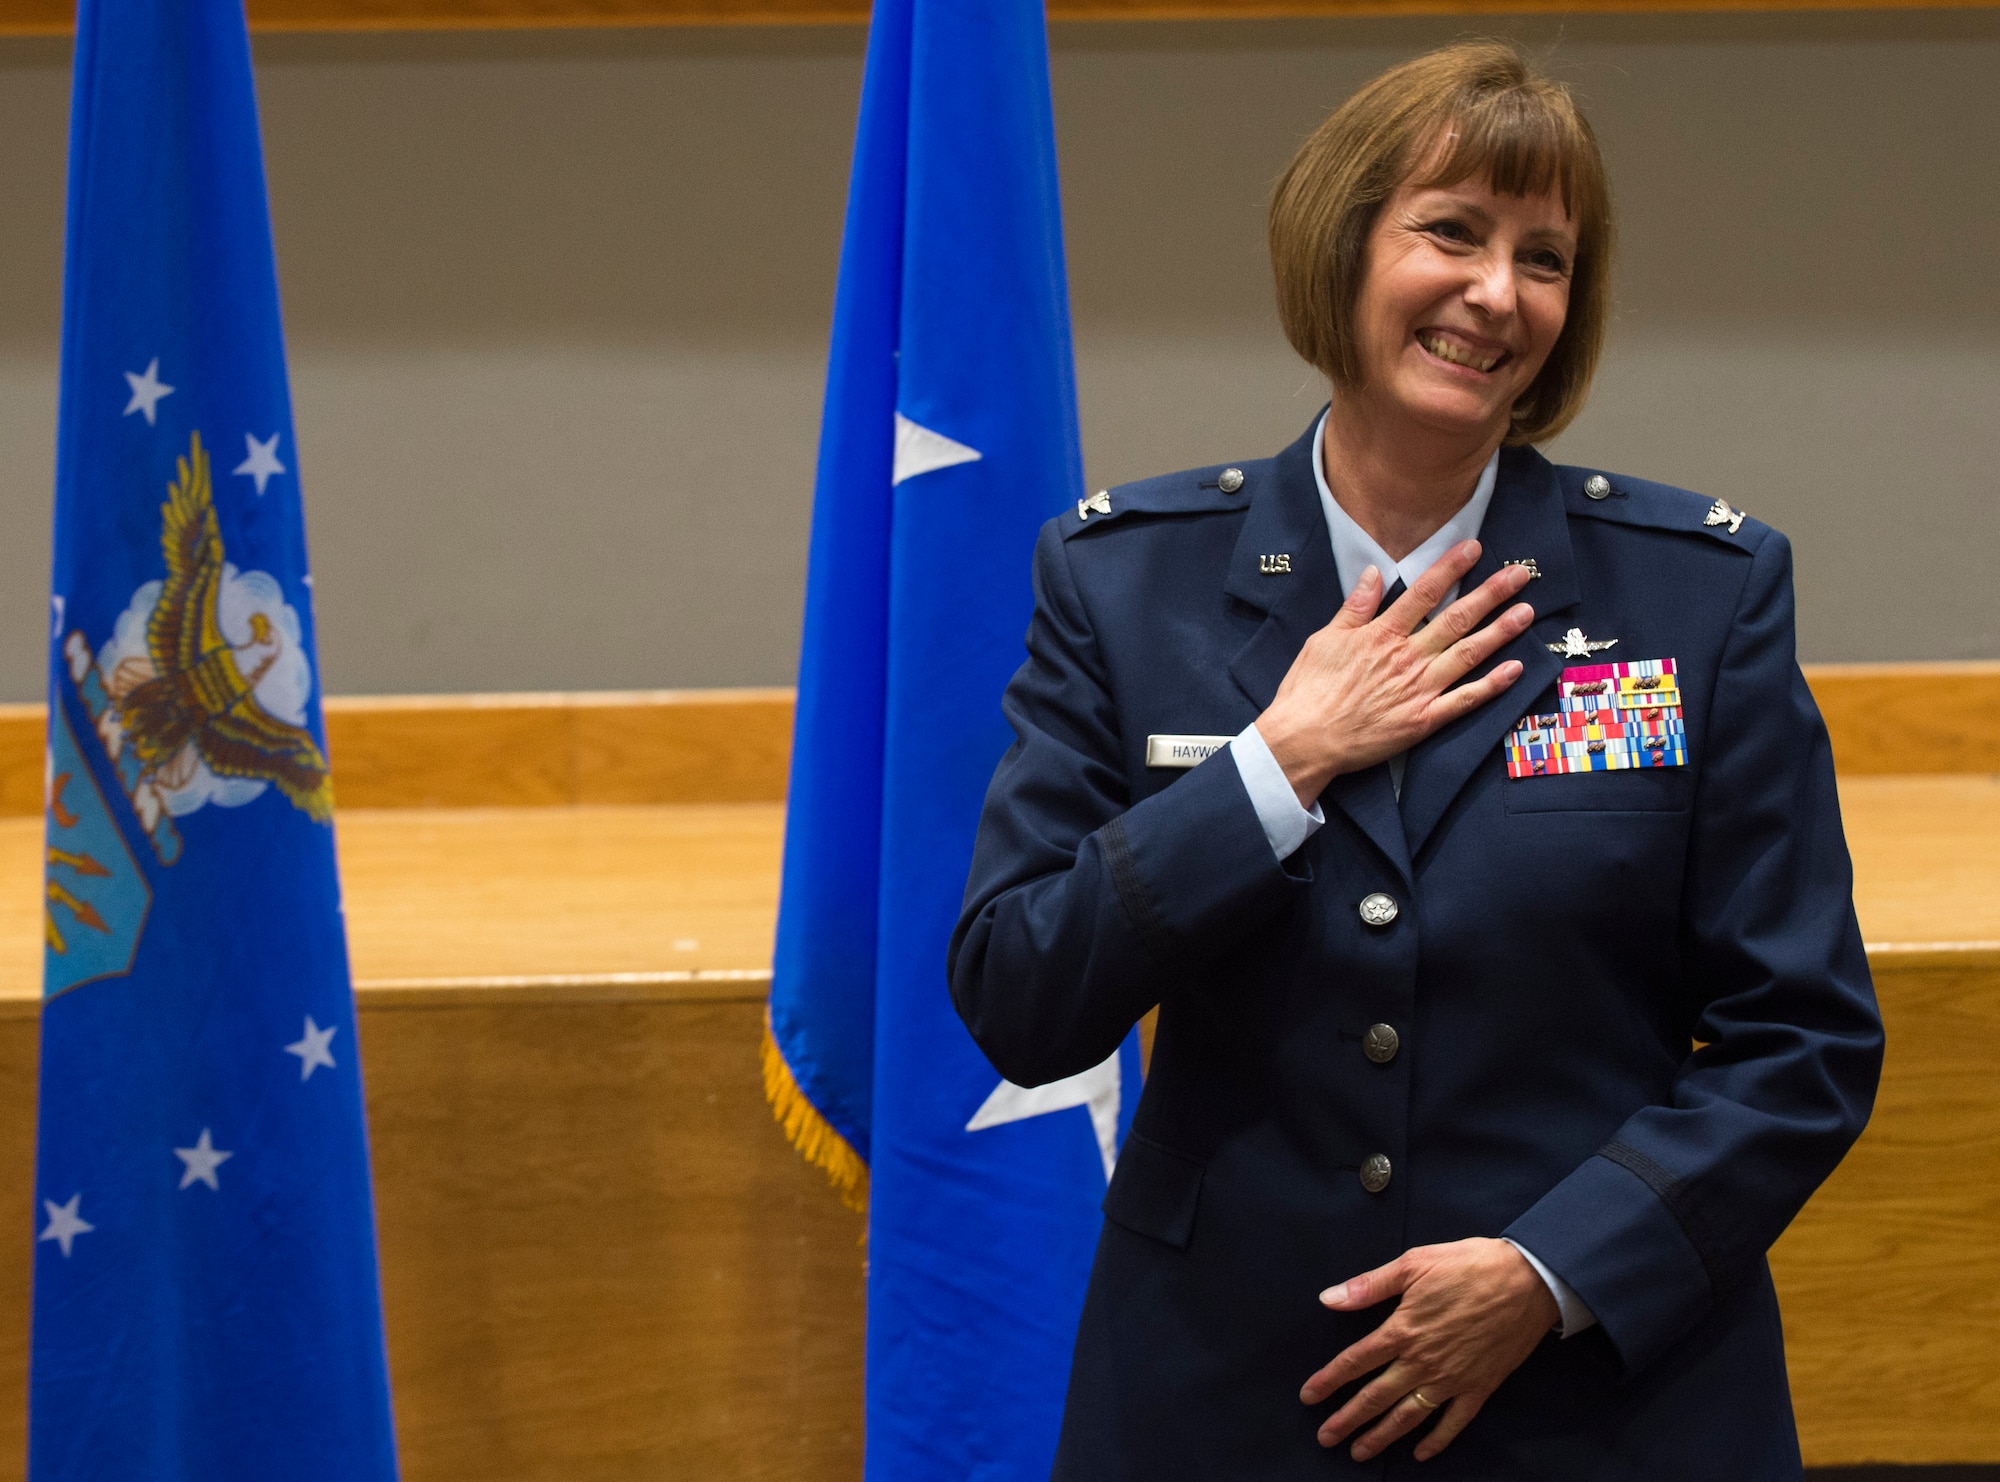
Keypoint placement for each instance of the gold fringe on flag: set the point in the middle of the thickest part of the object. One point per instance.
(810, 1132)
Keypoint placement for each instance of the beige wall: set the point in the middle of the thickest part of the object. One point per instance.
(558, 308)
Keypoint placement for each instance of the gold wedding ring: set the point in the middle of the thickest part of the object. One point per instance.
(1422, 1399)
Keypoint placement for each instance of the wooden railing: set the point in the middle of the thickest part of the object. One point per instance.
(726, 746)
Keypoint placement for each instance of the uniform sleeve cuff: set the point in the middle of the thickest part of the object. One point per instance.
(1575, 1315)
(1286, 825)
(1624, 1253)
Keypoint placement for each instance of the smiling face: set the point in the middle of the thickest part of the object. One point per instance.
(1464, 295)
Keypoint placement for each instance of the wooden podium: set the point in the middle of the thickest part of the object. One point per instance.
(600, 1258)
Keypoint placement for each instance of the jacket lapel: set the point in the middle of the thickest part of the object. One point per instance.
(1286, 520)
(1525, 520)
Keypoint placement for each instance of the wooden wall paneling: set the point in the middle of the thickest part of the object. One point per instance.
(1942, 717)
(23, 729)
(37, 17)
(734, 745)
(503, 751)
(450, 751)
(601, 1260)
(451, 15)
(1890, 1279)
(709, 746)
(511, 751)
(21, 905)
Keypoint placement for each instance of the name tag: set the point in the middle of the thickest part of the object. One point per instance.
(1183, 751)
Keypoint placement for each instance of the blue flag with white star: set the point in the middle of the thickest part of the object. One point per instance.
(949, 437)
(206, 1303)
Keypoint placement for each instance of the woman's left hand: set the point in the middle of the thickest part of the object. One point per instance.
(1471, 1312)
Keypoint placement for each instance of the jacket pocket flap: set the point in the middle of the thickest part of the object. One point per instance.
(1154, 1191)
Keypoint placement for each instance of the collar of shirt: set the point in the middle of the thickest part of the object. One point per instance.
(1354, 549)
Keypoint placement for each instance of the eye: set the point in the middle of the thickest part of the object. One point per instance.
(1450, 230)
(1548, 260)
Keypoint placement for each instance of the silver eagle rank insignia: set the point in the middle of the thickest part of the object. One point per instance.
(1720, 513)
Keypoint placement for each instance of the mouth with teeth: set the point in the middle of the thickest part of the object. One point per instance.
(1451, 353)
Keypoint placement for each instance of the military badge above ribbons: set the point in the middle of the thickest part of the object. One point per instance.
(1609, 718)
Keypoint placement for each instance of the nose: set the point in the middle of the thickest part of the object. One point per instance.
(1491, 290)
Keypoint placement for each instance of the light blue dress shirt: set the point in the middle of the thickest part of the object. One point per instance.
(1286, 824)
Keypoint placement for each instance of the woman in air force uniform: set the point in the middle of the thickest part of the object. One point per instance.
(1511, 997)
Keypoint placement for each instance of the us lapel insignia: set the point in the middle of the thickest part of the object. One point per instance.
(1720, 513)
(1527, 564)
(1611, 718)
(1574, 645)
(1278, 565)
(1098, 503)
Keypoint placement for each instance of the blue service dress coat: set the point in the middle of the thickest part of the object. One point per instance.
(1635, 1021)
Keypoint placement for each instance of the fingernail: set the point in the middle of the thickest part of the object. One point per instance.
(1334, 1294)
(1366, 572)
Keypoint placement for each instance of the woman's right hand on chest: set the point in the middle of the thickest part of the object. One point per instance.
(1365, 688)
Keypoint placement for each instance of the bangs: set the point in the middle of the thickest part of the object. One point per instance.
(1524, 143)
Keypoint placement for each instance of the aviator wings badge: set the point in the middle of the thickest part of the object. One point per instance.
(1573, 645)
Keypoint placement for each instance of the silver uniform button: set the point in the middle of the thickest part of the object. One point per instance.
(1379, 909)
(1597, 486)
(1231, 480)
(1380, 1043)
(1375, 1173)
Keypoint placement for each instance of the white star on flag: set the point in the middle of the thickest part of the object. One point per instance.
(202, 1160)
(65, 1224)
(919, 450)
(146, 393)
(1097, 1088)
(312, 1050)
(262, 461)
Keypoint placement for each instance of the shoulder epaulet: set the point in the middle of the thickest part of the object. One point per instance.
(1193, 491)
(1595, 495)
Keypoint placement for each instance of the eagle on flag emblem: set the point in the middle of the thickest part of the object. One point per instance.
(192, 697)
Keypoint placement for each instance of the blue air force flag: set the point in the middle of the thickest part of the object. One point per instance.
(205, 1294)
(949, 436)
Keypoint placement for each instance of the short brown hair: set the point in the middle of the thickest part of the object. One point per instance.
(1476, 108)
